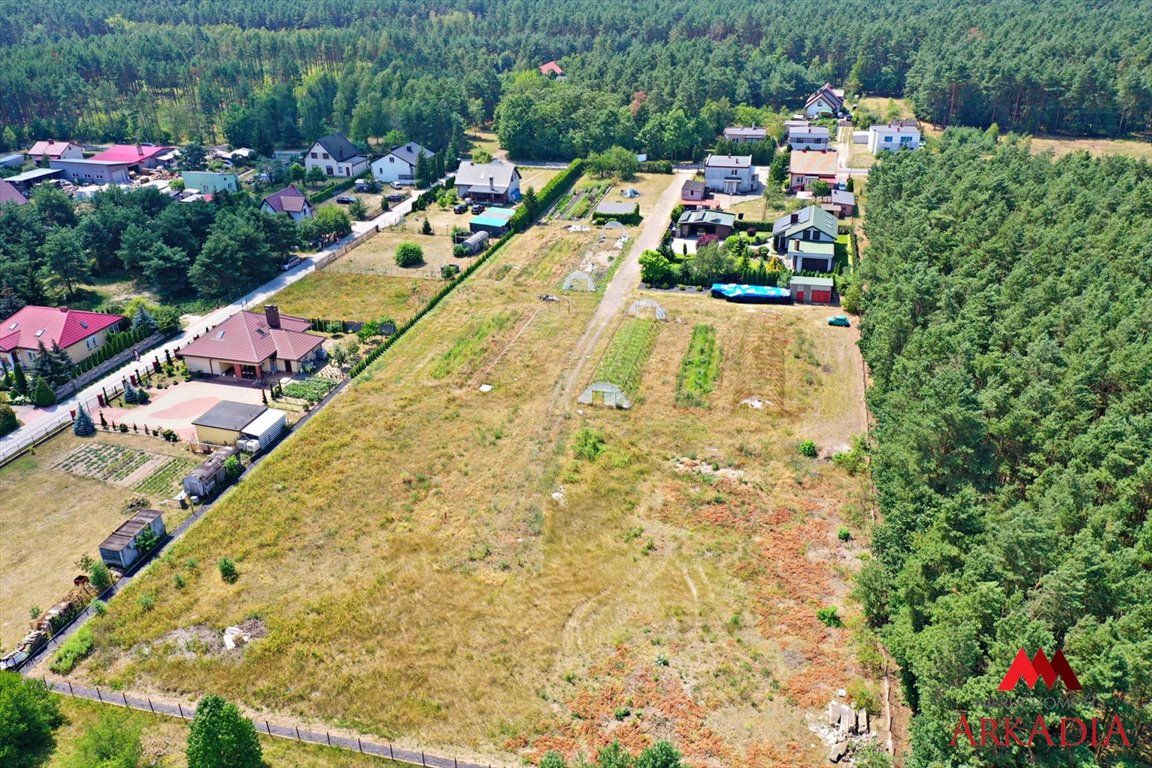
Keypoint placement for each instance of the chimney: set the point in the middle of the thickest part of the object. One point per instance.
(139, 150)
(272, 315)
(492, 182)
(63, 309)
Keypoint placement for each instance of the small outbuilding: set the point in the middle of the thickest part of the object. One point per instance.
(122, 548)
(228, 421)
(705, 222)
(475, 243)
(208, 478)
(494, 221)
(811, 290)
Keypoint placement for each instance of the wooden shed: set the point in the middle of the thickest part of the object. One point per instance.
(121, 549)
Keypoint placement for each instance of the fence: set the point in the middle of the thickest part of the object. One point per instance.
(106, 367)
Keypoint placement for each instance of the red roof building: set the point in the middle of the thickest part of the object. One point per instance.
(51, 149)
(133, 154)
(551, 68)
(249, 345)
(9, 194)
(77, 332)
(289, 200)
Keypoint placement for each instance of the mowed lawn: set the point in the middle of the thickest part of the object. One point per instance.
(343, 295)
(442, 566)
(49, 518)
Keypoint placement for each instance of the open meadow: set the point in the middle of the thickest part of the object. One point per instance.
(337, 294)
(62, 500)
(501, 571)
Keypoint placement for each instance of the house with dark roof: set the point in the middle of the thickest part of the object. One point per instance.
(825, 100)
(399, 164)
(89, 170)
(839, 203)
(493, 182)
(705, 222)
(228, 422)
(9, 194)
(336, 156)
(124, 546)
(289, 201)
(77, 332)
(730, 174)
(50, 149)
(250, 345)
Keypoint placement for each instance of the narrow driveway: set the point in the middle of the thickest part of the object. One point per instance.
(843, 154)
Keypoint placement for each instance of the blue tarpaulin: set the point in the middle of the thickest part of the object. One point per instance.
(751, 294)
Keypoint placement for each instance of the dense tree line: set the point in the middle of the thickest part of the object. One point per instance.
(179, 250)
(277, 72)
(1006, 326)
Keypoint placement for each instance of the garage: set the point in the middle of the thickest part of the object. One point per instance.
(812, 290)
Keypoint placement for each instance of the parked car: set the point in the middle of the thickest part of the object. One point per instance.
(396, 198)
(346, 199)
(840, 321)
(459, 208)
(395, 185)
(477, 209)
(290, 262)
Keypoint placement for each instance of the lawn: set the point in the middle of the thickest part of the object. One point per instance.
(50, 517)
(535, 177)
(1062, 145)
(377, 255)
(437, 564)
(345, 295)
(165, 739)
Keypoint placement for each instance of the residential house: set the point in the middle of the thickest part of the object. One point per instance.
(249, 345)
(77, 332)
(228, 422)
(493, 182)
(740, 135)
(893, 136)
(826, 100)
(730, 174)
(806, 239)
(207, 183)
(705, 222)
(552, 69)
(9, 194)
(399, 164)
(811, 290)
(839, 203)
(92, 171)
(134, 155)
(290, 201)
(122, 549)
(808, 137)
(43, 151)
(336, 156)
(807, 166)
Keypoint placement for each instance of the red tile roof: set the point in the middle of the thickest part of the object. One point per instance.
(130, 153)
(551, 68)
(288, 199)
(49, 148)
(246, 338)
(9, 194)
(31, 325)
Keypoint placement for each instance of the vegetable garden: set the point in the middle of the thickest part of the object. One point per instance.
(699, 369)
(623, 362)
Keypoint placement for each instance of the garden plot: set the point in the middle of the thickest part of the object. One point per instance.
(623, 362)
(113, 464)
(166, 479)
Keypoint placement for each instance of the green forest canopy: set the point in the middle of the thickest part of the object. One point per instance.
(1006, 326)
(267, 73)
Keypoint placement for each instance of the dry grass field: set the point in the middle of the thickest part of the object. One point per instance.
(344, 294)
(498, 571)
(1060, 146)
(536, 177)
(49, 518)
(377, 255)
(165, 739)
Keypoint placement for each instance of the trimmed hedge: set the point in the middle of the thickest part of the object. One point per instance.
(334, 189)
(743, 225)
(548, 195)
(114, 345)
(655, 166)
(631, 219)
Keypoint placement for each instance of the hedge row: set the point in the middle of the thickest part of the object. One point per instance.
(656, 166)
(630, 219)
(436, 299)
(324, 325)
(743, 225)
(333, 189)
(548, 195)
(427, 197)
(116, 343)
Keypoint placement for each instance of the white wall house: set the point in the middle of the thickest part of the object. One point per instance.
(892, 137)
(808, 137)
(824, 101)
(399, 165)
(730, 174)
(336, 156)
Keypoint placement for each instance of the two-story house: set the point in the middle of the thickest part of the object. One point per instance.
(399, 165)
(336, 156)
(893, 136)
(806, 239)
(730, 174)
(826, 100)
(808, 137)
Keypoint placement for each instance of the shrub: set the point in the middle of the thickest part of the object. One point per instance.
(27, 718)
(72, 651)
(427, 228)
(43, 395)
(146, 602)
(589, 444)
(232, 468)
(459, 251)
(409, 254)
(221, 736)
(8, 421)
(99, 607)
(662, 660)
(99, 576)
(829, 617)
(807, 448)
(844, 534)
(449, 271)
(178, 581)
(228, 570)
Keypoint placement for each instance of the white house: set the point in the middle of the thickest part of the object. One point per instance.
(893, 136)
(826, 100)
(742, 135)
(492, 182)
(399, 165)
(808, 137)
(730, 174)
(336, 156)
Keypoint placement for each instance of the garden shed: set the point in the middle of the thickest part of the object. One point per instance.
(204, 481)
(266, 427)
(476, 243)
(121, 549)
(225, 422)
(811, 290)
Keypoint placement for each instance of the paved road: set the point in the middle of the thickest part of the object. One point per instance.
(41, 420)
(344, 740)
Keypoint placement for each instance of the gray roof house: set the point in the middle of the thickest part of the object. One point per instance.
(493, 182)
(399, 164)
(336, 156)
(742, 135)
(730, 174)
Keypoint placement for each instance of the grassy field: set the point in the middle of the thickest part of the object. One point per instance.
(164, 740)
(536, 177)
(377, 256)
(346, 295)
(1061, 145)
(50, 517)
(437, 564)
